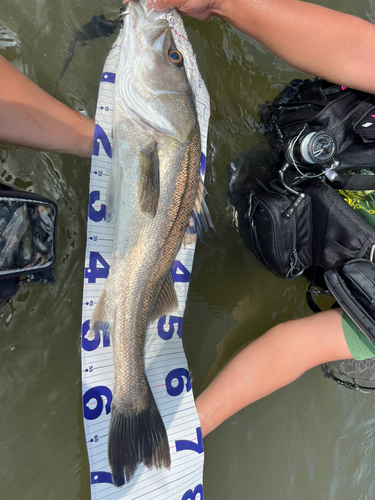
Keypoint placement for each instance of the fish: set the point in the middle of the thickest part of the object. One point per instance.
(154, 188)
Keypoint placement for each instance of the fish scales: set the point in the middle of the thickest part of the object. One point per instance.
(151, 194)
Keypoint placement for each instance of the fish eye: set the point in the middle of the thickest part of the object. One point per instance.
(176, 57)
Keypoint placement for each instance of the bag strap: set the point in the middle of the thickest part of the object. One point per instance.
(354, 182)
(316, 286)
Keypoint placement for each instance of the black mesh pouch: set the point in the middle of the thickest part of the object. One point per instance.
(28, 225)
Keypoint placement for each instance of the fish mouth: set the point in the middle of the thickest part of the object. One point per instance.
(139, 18)
(143, 24)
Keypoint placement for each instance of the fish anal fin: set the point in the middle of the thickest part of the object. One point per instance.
(190, 235)
(200, 220)
(149, 180)
(167, 300)
(99, 315)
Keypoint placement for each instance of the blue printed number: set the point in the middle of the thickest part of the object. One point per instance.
(92, 344)
(167, 329)
(100, 477)
(192, 495)
(179, 272)
(96, 215)
(108, 77)
(183, 444)
(93, 272)
(101, 137)
(202, 169)
(97, 394)
(178, 374)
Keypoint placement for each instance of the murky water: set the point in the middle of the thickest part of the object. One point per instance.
(311, 440)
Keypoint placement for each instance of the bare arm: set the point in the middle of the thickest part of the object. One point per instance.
(314, 39)
(31, 117)
(272, 361)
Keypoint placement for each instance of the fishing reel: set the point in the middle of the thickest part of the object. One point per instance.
(311, 150)
(313, 154)
(307, 151)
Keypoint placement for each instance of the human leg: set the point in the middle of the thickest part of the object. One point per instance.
(274, 360)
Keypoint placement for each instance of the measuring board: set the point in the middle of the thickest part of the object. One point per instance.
(165, 361)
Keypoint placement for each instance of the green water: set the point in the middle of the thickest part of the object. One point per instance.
(312, 440)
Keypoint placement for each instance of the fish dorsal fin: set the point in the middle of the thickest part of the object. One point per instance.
(149, 185)
(167, 300)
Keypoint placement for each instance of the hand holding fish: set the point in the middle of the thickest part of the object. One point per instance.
(320, 41)
(193, 8)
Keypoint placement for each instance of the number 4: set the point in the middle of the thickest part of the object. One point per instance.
(93, 272)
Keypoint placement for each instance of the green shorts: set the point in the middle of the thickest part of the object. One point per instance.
(359, 345)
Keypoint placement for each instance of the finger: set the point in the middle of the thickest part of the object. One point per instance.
(162, 4)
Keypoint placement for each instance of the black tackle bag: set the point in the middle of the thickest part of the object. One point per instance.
(292, 216)
(290, 233)
(280, 236)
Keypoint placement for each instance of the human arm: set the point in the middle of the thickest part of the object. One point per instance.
(31, 117)
(314, 39)
(274, 360)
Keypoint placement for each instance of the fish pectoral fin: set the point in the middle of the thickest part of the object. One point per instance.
(167, 300)
(113, 193)
(149, 180)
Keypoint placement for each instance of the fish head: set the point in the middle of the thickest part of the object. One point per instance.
(152, 82)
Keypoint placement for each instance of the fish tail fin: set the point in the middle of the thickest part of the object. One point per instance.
(136, 438)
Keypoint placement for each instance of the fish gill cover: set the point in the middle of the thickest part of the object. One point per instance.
(166, 373)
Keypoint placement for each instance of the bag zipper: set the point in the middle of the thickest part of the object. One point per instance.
(347, 116)
(294, 259)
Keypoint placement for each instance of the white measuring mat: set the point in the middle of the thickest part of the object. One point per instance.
(165, 361)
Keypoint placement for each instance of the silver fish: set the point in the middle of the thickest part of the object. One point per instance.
(153, 188)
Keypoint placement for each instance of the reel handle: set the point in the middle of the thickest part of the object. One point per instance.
(300, 196)
(293, 207)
